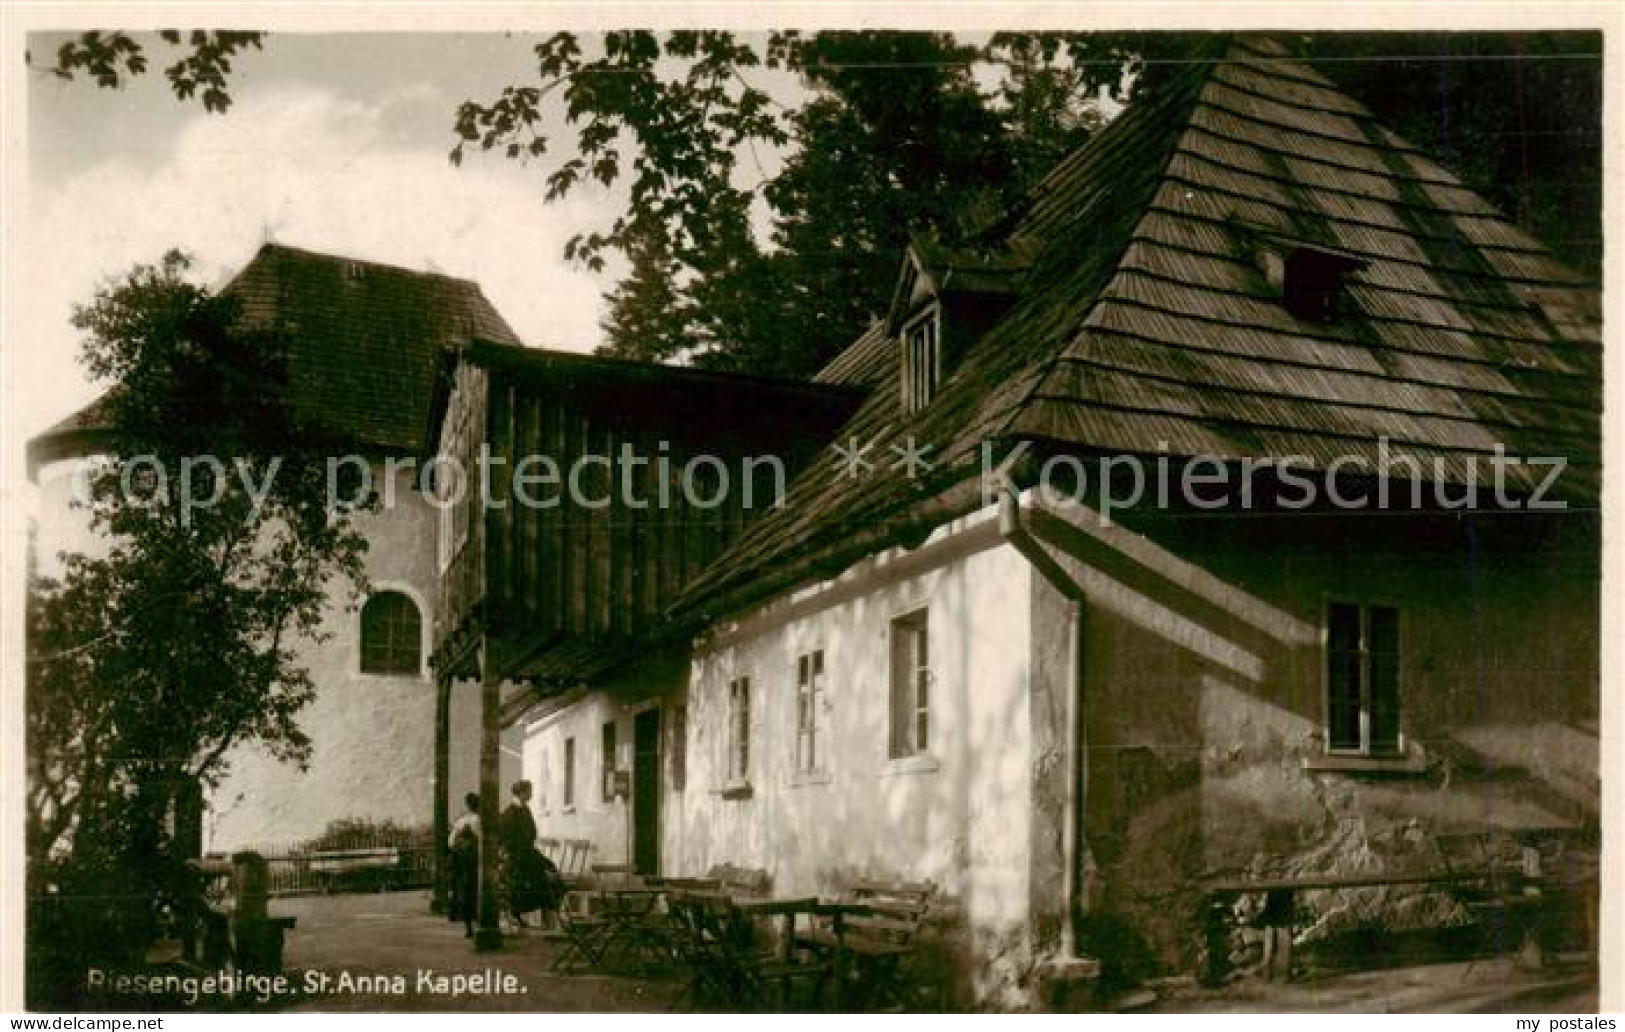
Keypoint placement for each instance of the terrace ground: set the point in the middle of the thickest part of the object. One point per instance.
(372, 949)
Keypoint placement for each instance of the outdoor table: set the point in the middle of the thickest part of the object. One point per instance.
(786, 907)
(838, 911)
(626, 912)
(1280, 909)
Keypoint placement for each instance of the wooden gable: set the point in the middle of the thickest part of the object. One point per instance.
(635, 478)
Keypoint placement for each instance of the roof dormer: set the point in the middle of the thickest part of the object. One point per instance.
(1309, 278)
(944, 300)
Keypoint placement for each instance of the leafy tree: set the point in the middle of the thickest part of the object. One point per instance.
(151, 659)
(109, 58)
(919, 132)
(896, 136)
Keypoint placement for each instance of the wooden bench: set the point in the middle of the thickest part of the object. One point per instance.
(1280, 907)
(347, 870)
(870, 935)
(228, 920)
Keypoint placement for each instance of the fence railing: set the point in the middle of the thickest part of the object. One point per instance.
(362, 860)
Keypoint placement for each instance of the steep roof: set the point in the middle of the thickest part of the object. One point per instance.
(862, 362)
(1145, 324)
(367, 337)
(366, 340)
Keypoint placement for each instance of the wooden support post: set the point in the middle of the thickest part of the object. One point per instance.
(1215, 933)
(442, 775)
(488, 936)
(1280, 906)
(1531, 911)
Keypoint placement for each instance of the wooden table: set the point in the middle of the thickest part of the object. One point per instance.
(1280, 909)
(626, 913)
(847, 953)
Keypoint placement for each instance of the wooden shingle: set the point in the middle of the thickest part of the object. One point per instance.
(1144, 324)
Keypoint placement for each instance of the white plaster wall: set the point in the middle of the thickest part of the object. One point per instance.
(372, 735)
(962, 822)
(603, 822)
(57, 526)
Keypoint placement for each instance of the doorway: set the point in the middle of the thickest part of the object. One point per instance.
(646, 792)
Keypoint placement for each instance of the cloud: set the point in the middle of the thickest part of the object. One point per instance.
(312, 170)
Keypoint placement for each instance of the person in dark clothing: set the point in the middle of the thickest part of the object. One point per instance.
(464, 843)
(530, 880)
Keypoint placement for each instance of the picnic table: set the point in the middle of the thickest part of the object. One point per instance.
(1280, 907)
(746, 950)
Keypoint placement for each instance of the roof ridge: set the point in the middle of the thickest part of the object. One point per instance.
(347, 259)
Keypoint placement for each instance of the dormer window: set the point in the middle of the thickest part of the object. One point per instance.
(922, 359)
(1309, 279)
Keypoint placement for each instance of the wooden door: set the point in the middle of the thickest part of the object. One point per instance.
(646, 792)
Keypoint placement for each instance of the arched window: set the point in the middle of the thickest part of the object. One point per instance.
(391, 635)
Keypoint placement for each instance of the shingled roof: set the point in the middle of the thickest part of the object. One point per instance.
(366, 345)
(367, 337)
(1145, 323)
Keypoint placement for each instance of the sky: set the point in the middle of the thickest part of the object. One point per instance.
(334, 142)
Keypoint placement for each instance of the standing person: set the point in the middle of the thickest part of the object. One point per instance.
(464, 843)
(518, 836)
(529, 878)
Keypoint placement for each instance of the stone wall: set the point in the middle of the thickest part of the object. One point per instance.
(1204, 705)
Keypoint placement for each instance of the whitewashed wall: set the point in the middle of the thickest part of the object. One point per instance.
(959, 817)
(592, 817)
(372, 735)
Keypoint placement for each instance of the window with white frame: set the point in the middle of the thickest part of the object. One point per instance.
(810, 690)
(1362, 679)
(739, 729)
(922, 359)
(910, 685)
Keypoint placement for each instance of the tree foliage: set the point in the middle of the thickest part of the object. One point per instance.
(902, 132)
(202, 70)
(762, 232)
(152, 657)
(895, 135)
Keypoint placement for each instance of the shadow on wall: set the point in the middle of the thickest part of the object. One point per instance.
(1204, 699)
